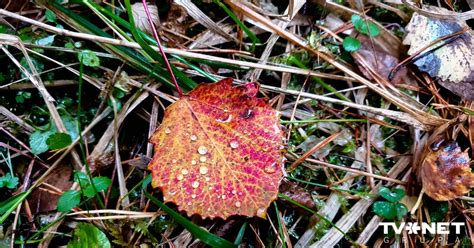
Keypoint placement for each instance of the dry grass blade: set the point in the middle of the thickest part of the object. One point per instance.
(4, 111)
(396, 115)
(313, 150)
(204, 20)
(102, 149)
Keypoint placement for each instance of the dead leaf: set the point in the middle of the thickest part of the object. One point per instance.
(381, 62)
(451, 61)
(41, 201)
(297, 194)
(446, 173)
(218, 152)
(140, 17)
(177, 22)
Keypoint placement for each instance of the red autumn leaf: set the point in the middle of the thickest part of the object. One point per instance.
(446, 173)
(218, 152)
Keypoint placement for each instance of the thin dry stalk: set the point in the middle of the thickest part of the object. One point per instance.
(204, 20)
(124, 201)
(359, 172)
(4, 111)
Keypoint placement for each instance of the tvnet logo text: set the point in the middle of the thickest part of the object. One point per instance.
(424, 228)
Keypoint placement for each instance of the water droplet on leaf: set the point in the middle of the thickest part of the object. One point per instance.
(193, 162)
(184, 171)
(202, 159)
(180, 177)
(195, 184)
(272, 168)
(203, 170)
(238, 204)
(234, 144)
(193, 137)
(167, 130)
(202, 150)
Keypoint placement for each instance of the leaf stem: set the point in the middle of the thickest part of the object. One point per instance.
(155, 35)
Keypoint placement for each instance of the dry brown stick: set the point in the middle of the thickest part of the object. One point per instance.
(313, 150)
(47, 84)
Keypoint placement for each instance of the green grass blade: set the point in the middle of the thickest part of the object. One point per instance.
(240, 235)
(280, 226)
(247, 31)
(199, 233)
(8, 206)
(155, 55)
(126, 54)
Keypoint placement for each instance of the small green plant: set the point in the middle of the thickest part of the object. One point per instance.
(9, 180)
(71, 198)
(351, 44)
(88, 235)
(362, 26)
(21, 96)
(391, 208)
(89, 58)
(47, 137)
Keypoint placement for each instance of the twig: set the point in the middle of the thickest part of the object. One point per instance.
(313, 150)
